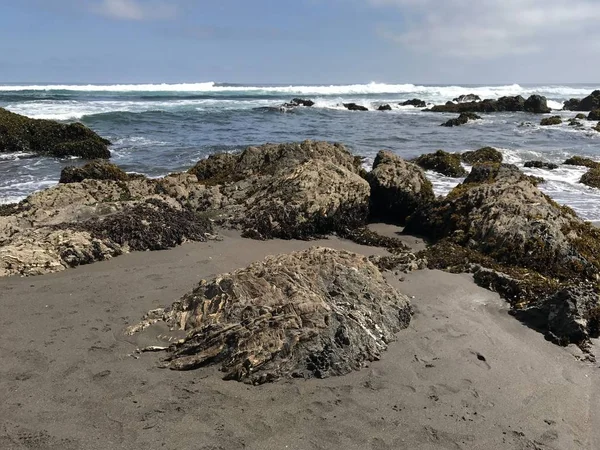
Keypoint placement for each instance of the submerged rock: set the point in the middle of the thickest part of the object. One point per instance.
(580, 116)
(483, 155)
(461, 120)
(398, 188)
(581, 161)
(442, 162)
(315, 313)
(554, 120)
(417, 103)
(46, 137)
(355, 107)
(591, 178)
(467, 98)
(95, 170)
(541, 165)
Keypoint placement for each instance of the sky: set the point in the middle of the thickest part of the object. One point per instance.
(300, 41)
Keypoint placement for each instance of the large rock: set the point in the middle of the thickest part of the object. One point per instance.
(581, 161)
(483, 155)
(385, 107)
(46, 137)
(591, 178)
(315, 313)
(590, 103)
(95, 170)
(594, 115)
(536, 104)
(442, 162)
(540, 165)
(398, 188)
(548, 121)
(417, 103)
(299, 102)
(461, 120)
(355, 107)
(467, 98)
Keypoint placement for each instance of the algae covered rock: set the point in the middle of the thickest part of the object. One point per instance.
(442, 162)
(581, 161)
(594, 115)
(95, 170)
(483, 155)
(461, 120)
(580, 116)
(398, 188)
(315, 313)
(591, 178)
(46, 137)
(554, 120)
(541, 165)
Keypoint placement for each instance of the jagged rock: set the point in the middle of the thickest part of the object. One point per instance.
(461, 120)
(467, 98)
(580, 161)
(385, 107)
(591, 178)
(315, 313)
(355, 107)
(46, 137)
(483, 155)
(594, 115)
(554, 120)
(541, 165)
(417, 103)
(398, 188)
(580, 116)
(589, 103)
(95, 170)
(571, 104)
(536, 104)
(499, 212)
(442, 162)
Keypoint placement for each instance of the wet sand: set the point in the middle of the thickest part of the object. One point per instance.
(464, 375)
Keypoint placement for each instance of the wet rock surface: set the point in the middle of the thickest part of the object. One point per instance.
(315, 313)
(541, 165)
(95, 170)
(554, 120)
(581, 161)
(442, 162)
(591, 178)
(461, 120)
(467, 98)
(589, 103)
(355, 107)
(416, 102)
(482, 155)
(46, 137)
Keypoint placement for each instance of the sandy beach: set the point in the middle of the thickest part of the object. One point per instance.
(464, 375)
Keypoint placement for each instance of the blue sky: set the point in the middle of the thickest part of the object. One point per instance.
(301, 41)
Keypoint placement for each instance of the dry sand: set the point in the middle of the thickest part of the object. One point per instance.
(465, 375)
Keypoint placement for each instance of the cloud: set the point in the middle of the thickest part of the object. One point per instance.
(487, 29)
(136, 9)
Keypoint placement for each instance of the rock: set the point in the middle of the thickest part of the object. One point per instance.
(468, 98)
(215, 169)
(442, 162)
(95, 170)
(497, 211)
(554, 120)
(355, 107)
(398, 188)
(575, 123)
(536, 104)
(385, 107)
(541, 165)
(315, 313)
(589, 103)
(461, 120)
(417, 103)
(580, 116)
(597, 127)
(301, 102)
(594, 115)
(46, 137)
(572, 104)
(483, 155)
(591, 178)
(580, 161)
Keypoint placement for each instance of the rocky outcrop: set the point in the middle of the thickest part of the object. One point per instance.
(580, 116)
(355, 107)
(315, 313)
(536, 104)
(575, 123)
(398, 188)
(385, 107)
(541, 165)
(299, 102)
(589, 103)
(442, 162)
(467, 98)
(483, 155)
(46, 137)
(548, 121)
(581, 161)
(591, 178)
(594, 115)
(417, 103)
(461, 120)
(95, 170)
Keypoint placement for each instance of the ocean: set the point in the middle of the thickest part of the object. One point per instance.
(161, 128)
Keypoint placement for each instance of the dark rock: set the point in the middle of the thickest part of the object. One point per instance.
(95, 170)
(483, 155)
(417, 103)
(594, 115)
(298, 102)
(215, 169)
(590, 103)
(461, 120)
(46, 137)
(385, 107)
(536, 104)
(355, 107)
(572, 104)
(575, 123)
(442, 162)
(591, 178)
(398, 188)
(554, 120)
(597, 127)
(315, 313)
(541, 165)
(580, 161)
(467, 98)
(580, 116)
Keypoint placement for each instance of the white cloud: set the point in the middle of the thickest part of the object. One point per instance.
(136, 9)
(492, 28)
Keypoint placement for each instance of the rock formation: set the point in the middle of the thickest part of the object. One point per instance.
(461, 120)
(589, 103)
(541, 165)
(554, 120)
(467, 98)
(355, 107)
(483, 155)
(591, 178)
(417, 103)
(442, 162)
(95, 170)
(534, 104)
